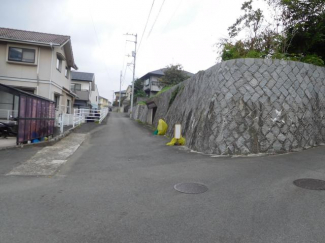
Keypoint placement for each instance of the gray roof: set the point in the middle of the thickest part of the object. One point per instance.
(81, 76)
(122, 92)
(31, 36)
(161, 72)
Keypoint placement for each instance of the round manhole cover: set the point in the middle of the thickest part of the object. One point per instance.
(190, 188)
(310, 184)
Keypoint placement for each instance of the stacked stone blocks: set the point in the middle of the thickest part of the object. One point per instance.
(247, 106)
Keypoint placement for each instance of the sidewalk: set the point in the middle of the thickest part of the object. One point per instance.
(43, 158)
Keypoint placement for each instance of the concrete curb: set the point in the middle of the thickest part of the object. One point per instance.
(47, 143)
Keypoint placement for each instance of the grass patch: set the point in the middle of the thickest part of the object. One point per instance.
(142, 103)
(140, 122)
(164, 89)
(175, 92)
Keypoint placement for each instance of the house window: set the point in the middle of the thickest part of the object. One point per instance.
(58, 64)
(146, 82)
(57, 101)
(75, 87)
(68, 106)
(21, 55)
(67, 71)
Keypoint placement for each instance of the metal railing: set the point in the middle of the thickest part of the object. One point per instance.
(103, 114)
(84, 115)
(6, 114)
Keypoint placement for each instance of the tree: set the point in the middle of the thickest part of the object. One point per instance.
(304, 25)
(173, 74)
(296, 32)
(138, 89)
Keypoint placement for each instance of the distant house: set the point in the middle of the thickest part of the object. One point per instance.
(117, 95)
(37, 63)
(83, 84)
(103, 103)
(125, 98)
(151, 81)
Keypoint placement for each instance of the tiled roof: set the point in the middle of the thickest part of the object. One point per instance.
(82, 76)
(31, 36)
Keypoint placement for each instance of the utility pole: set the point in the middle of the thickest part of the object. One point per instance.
(119, 103)
(134, 54)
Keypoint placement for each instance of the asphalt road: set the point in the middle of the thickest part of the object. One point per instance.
(118, 187)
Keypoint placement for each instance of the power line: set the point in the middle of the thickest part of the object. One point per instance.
(97, 39)
(156, 19)
(179, 4)
(146, 25)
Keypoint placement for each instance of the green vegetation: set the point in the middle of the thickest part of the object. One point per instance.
(138, 89)
(174, 74)
(175, 92)
(142, 103)
(295, 32)
(164, 89)
(140, 122)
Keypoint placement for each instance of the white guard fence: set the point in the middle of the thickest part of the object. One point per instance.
(6, 114)
(88, 115)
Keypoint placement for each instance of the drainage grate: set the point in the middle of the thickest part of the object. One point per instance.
(190, 188)
(310, 184)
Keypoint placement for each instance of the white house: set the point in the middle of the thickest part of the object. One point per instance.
(83, 84)
(38, 63)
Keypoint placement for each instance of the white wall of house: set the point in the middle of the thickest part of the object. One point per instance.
(85, 85)
(94, 97)
(41, 77)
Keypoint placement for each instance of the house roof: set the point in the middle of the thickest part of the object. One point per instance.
(122, 92)
(161, 72)
(15, 91)
(32, 36)
(82, 76)
(44, 39)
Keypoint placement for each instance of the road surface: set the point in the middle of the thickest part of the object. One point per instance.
(119, 187)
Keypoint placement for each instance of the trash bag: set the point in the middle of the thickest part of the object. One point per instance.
(155, 132)
(176, 141)
(162, 127)
(172, 142)
(181, 141)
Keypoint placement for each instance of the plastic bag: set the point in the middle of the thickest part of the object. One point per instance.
(172, 142)
(162, 127)
(175, 141)
(181, 141)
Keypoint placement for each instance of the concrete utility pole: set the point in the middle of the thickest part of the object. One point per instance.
(134, 54)
(119, 103)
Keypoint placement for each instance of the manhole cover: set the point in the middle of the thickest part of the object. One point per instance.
(311, 184)
(190, 188)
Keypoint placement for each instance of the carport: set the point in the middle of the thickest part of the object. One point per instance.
(35, 114)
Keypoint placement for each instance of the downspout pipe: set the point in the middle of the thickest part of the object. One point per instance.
(38, 64)
(51, 44)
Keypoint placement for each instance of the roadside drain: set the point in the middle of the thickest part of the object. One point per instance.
(310, 184)
(190, 188)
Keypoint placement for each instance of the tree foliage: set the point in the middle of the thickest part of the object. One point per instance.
(138, 89)
(296, 31)
(173, 74)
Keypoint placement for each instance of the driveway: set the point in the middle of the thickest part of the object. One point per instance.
(119, 187)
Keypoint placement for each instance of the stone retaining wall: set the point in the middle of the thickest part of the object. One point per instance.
(247, 106)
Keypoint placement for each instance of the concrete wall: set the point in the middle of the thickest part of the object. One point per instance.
(248, 106)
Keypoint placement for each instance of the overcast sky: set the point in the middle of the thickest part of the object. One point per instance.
(184, 33)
